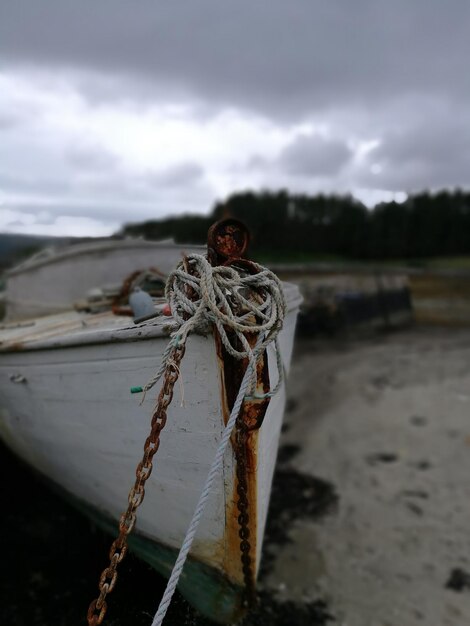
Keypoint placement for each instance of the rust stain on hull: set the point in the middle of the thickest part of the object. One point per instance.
(227, 244)
(231, 374)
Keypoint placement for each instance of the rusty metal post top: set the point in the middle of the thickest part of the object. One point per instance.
(228, 239)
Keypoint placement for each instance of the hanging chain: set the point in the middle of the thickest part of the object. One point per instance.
(97, 608)
(241, 435)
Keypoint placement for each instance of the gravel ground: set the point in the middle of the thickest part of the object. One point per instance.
(370, 508)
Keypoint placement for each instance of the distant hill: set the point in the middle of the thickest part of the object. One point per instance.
(14, 248)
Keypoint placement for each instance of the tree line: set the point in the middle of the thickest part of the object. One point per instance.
(290, 226)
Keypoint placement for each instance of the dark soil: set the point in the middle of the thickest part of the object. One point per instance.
(459, 580)
(382, 457)
(293, 496)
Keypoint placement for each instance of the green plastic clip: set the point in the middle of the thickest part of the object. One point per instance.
(136, 389)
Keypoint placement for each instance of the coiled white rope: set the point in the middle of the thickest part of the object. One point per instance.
(228, 299)
(222, 296)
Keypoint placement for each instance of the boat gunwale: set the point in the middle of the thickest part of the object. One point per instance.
(80, 337)
(126, 334)
(74, 250)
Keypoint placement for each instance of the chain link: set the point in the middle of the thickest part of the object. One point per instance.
(242, 505)
(97, 608)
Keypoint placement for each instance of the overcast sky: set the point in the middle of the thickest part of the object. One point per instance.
(114, 111)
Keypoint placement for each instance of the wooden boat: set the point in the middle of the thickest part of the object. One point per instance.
(66, 409)
(53, 279)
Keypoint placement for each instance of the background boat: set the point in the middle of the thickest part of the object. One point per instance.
(54, 278)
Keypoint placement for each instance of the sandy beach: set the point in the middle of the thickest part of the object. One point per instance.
(385, 422)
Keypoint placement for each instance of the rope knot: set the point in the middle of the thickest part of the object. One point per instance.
(233, 300)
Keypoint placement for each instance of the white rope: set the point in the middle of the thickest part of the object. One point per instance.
(214, 473)
(228, 299)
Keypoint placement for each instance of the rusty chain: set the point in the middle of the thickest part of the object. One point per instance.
(98, 607)
(241, 436)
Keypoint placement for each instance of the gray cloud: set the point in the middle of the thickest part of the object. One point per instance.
(188, 173)
(109, 211)
(90, 158)
(314, 156)
(430, 154)
(8, 121)
(28, 183)
(112, 198)
(270, 55)
(372, 70)
(48, 212)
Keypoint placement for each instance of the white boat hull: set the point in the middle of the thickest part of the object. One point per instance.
(67, 410)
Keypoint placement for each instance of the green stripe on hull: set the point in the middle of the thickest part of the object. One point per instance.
(203, 586)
